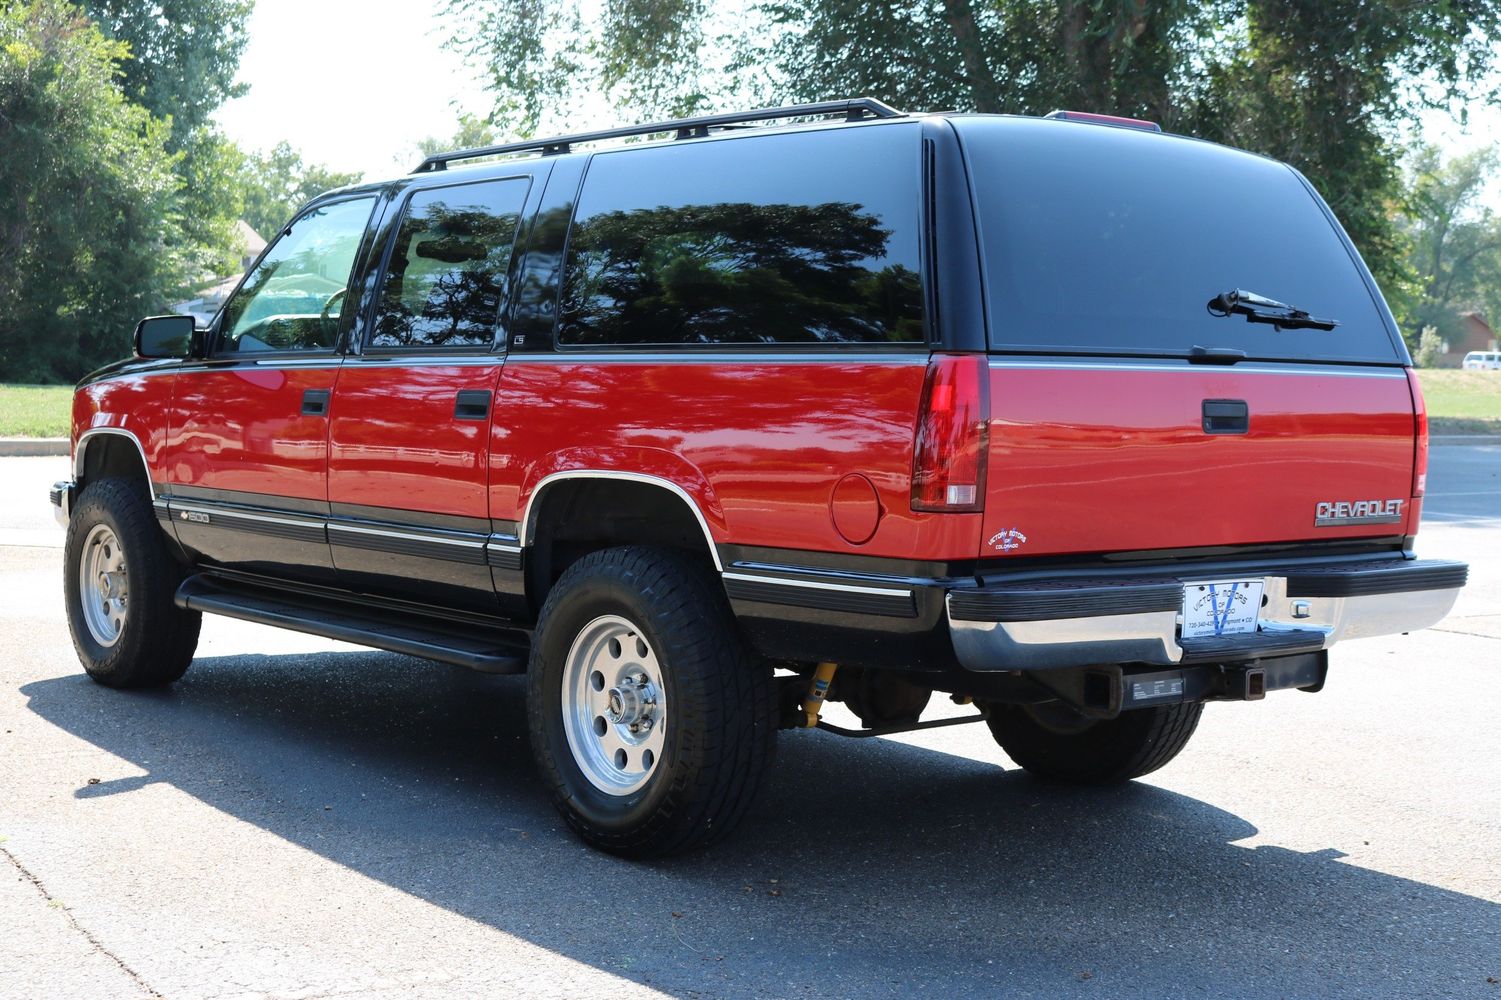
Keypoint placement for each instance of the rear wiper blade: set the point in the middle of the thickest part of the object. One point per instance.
(1260, 309)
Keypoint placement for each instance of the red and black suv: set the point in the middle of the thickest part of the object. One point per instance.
(1081, 423)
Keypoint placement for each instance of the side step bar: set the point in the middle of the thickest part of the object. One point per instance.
(487, 651)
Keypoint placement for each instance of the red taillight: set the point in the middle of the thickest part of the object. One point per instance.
(1420, 448)
(948, 454)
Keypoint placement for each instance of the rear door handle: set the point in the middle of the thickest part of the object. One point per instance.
(315, 403)
(471, 404)
(1226, 416)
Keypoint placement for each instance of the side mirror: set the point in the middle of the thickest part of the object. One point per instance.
(164, 337)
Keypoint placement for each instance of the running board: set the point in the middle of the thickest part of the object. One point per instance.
(485, 650)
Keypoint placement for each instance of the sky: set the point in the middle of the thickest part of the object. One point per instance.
(356, 91)
(348, 87)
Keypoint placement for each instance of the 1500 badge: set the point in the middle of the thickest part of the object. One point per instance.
(1334, 513)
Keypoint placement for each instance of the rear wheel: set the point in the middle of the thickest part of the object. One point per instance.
(120, 580)
(1053, 741)
(651, 720)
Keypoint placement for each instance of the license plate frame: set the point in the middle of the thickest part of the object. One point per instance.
(1222, 607)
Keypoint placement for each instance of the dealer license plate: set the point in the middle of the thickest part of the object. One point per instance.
(1221, 607)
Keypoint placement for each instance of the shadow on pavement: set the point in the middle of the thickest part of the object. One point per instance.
(874, 870)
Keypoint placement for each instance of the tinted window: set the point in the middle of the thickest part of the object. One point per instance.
(1108, 239)
(447, 276)
(294, 297)
(793, 238)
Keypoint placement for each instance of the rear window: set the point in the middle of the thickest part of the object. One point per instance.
(1107, 240)
(795, 238)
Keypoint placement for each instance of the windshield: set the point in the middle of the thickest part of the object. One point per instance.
(1111, 240)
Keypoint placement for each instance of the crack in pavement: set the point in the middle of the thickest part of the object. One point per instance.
(1457, 631)
(73, 922)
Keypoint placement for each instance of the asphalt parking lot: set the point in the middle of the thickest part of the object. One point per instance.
(300, 818)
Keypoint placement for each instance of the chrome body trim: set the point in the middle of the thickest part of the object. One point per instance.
(688, 357)
(1253, 368)
(81, 447)
(475, 543)
(311, 520)
(529, 525)
(815, 585)
(1152, 638)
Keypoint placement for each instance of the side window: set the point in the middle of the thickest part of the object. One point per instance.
(447, 276)
(801, 238)
(293, 299)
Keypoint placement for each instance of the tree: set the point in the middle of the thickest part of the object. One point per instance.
(277, 183)
(1326, 85)
(87, 195)
(1454, 239)
(183, 55)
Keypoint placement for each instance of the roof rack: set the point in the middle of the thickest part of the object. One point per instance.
(854, 109)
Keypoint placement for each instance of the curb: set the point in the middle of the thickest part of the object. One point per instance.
(1440, 439)
(32, 447)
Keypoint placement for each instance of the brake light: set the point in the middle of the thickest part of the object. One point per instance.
(948, 453)
(1085, 116)
(1420, 446)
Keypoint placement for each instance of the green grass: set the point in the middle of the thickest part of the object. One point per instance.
(35, 410)
(1461, 402)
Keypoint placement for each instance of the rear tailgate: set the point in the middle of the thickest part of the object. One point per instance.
(1088, 457)
(1131, 412)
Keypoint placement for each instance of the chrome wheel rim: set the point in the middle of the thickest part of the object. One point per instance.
(614, 705)
(103, 586)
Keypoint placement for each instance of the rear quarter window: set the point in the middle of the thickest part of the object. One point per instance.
(793, 238)
(1110, 240)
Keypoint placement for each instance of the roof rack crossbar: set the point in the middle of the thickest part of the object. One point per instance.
(854, 109)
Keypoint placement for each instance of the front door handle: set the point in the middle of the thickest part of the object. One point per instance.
(315, 403)
(471, 404)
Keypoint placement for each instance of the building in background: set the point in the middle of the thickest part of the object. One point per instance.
(204, 306)
(1476, 335)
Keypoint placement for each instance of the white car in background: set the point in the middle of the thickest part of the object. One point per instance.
(1482, 361)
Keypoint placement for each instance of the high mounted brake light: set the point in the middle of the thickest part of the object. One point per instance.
(948, 454)
(1085, 116)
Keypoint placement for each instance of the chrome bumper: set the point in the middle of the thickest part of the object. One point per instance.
(61, 496)
(1009, 627)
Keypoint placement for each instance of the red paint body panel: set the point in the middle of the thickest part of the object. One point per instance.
(394, 441)
(759, 445)
(1110, 460)
(137, 404)
(243, 429)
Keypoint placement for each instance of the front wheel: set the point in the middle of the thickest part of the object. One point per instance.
(1053, 741)
(651, 720)
(120, 580)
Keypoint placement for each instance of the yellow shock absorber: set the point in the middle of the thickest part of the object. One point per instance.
(823, 676)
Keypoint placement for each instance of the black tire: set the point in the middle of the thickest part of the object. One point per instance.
(1053, 742)
(155, 643)
(719, 732)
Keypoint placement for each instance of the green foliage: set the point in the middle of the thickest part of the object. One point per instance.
(211, 202)
(1430, 348)
(472, 133)
(1454, 240)
(87, 198)
(275, 184)
(1326, 85)
(183, 55)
